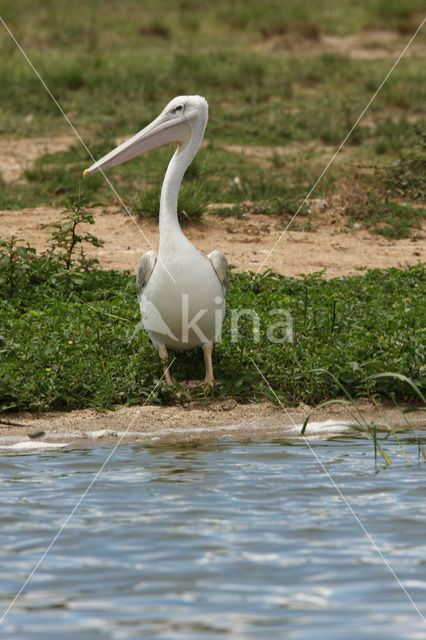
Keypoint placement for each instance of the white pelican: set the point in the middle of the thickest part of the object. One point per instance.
(181, 291)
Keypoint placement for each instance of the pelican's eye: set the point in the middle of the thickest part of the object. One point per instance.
(178, 109)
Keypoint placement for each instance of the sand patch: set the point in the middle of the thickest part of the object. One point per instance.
(246, 241)
(266, 155)
(17, 155)
(371, 44)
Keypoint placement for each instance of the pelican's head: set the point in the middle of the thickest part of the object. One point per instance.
(194, 108)
(182, 120)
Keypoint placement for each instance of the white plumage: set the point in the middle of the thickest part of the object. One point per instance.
(181, 291)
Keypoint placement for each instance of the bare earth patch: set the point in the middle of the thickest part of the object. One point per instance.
(370, 44)
(17, 155)
(246, 242)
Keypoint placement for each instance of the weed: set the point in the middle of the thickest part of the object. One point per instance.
(407, 177)
(369, 196)
(147, 203)
(371, 430)
(360, 199)
(192, 203)
(14, 258)
(67, 237)
(393, 135)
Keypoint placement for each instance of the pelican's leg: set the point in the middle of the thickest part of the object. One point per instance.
(164, 359)
(209, 379)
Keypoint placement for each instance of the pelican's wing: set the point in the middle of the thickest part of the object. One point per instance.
(145, 268)
(220, 265)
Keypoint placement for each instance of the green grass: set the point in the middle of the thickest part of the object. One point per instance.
(72, 342)
(224, 176)
(393, 220)
(380, 215)
(113, 70)
(192, 203)
(267, 104)
(190, 23)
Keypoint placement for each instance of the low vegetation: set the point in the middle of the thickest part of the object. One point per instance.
(71, 335)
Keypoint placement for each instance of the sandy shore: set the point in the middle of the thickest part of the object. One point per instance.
(246, 242)
(215, 420)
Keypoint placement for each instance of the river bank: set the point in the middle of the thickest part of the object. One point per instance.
(196, 422)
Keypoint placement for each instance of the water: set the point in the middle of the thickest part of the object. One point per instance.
(227, 540)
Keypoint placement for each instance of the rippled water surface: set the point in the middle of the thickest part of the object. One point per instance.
(227, 540)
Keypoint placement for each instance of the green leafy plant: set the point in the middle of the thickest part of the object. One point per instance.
(14, 260)
(82, 349)
(69, 236)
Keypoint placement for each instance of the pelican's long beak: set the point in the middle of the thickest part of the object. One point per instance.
(162, 130)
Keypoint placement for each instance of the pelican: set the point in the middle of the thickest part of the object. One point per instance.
(181, 291)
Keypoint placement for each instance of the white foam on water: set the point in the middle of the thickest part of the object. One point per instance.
(102, 433)
(325, 429)
(32, 445)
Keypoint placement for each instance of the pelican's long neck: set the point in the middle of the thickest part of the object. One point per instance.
(169, 224)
